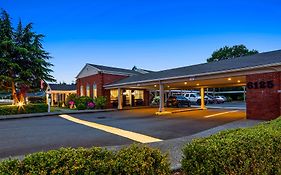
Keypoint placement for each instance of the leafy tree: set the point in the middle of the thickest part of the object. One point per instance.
(231, 52)
(23, 60)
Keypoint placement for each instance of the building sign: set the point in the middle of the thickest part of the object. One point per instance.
(260, 84)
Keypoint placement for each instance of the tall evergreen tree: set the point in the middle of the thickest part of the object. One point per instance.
(23, 60)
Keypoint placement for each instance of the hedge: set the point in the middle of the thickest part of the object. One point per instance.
(135, 159)
(30, 108)
(255, 150)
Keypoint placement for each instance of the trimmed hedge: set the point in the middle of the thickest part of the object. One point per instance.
(130, 160)
(255, 150)
(30, 108)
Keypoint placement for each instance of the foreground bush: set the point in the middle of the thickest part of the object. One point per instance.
(132, 160)
(30, 108)
(254, 150)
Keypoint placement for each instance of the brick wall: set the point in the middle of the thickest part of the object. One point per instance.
(100, 80)
(263, 102)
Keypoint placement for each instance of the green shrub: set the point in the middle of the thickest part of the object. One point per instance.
(133, 160)
(36, 99)
(100, 102)
(71, 97)
(30, 108)
(82, 102)
(141, 160)
(241, 151)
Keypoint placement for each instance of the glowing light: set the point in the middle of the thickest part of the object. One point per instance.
(20, 104)
(229, 79)
(168, 86)
(185, 83)
(238, 81)
(197, 84)
(155, 85)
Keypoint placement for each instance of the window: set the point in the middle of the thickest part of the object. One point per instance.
(81, 90)
(192, 95)
(95, 94)
(88, 90)
(114, 94)
(138, 94)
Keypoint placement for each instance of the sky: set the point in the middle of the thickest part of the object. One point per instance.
(149, 34)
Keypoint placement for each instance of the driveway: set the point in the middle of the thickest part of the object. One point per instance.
(23, 136)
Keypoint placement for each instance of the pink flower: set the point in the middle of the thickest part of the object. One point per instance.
(71, 102)
(91, 105)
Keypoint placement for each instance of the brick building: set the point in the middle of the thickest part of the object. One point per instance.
(92, 79)
(259, 73)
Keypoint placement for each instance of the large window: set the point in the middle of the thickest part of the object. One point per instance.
(81, 90)
(95, 94)
(88, 90)
(138, 94)
(114, 94)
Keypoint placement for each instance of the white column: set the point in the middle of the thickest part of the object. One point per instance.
(120, 95)
(202, 94)
(161, 104)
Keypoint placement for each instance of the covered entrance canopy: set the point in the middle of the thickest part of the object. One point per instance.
(225, 73)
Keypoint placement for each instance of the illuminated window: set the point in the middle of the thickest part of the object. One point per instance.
(114, 94)
(81, 91)
(95, 94)
(138, 94)
(88, 90)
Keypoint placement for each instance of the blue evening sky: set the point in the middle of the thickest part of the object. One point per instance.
(150, 34)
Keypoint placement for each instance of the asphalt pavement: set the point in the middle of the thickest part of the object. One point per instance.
(23, 136)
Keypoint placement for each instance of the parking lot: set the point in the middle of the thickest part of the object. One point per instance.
(22, 136)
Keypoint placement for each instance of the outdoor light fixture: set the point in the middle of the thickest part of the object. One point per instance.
(229, 79)
(197, 84)
(238, 81)
(155, 85)
(168, 86)
(185, 83)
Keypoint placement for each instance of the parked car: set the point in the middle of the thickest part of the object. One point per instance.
(211, 99)
(220, 99)
(177, 101)
(195, 98)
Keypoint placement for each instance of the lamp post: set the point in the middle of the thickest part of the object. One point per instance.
(48, 97)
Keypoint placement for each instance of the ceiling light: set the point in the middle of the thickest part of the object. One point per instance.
(185, 83)
(197, 84)
(238, 81)
(155, 85)
(229, 79)
(168, 86)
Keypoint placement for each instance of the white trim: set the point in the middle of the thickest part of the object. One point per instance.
(194, 75)
(87, 64)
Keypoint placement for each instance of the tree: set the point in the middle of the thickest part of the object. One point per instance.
(23, 60)
(231, 52)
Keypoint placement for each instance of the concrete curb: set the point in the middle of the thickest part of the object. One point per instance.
(21, 116)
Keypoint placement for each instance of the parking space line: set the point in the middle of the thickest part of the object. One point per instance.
(221, 113)
(120, 132)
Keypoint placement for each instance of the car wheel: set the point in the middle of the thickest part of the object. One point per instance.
(198, 102)
(179, 105)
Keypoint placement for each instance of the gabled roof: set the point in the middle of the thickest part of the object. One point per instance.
(62, 87)
(115, 69)
(261, 59)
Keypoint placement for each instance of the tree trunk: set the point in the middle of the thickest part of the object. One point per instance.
(14, 93)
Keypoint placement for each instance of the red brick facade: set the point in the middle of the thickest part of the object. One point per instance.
(100, 80)
(263, 98)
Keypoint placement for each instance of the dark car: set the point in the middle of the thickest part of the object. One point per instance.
(178, 101)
